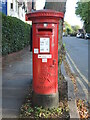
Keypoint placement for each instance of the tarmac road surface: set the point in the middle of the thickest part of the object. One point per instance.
(77, 56)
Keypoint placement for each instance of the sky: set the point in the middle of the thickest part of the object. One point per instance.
(40, 4)
(70, 15)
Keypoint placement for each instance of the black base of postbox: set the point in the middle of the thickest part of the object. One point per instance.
(46, 101)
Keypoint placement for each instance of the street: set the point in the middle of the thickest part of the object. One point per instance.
(77, 56)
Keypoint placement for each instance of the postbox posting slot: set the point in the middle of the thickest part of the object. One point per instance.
(45, 31)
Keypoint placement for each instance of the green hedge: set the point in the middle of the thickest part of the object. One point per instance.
(15, 34)
(87, 27)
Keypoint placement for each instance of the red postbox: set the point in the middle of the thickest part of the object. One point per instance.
(45, 25)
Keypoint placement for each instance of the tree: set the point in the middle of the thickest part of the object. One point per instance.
(83, 10)
(71, 30)
(74, 29)
(68, 28)
(58, 6)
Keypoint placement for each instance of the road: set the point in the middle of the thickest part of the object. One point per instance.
(77, 55)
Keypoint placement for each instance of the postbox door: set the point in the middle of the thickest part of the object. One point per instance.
(46, 74)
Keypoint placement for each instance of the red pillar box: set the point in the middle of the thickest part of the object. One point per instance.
(45, 25)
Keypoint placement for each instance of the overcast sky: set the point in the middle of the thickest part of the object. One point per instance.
(70, 16)
(40, 4)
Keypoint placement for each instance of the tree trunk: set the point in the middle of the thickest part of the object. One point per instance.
(58, 6)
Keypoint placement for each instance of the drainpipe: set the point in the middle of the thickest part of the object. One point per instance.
(34, 5)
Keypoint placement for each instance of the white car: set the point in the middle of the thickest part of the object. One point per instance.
(80, 35)
(87, 36)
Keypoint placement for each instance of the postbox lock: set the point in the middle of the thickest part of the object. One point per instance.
(54, 62)
(45, 24)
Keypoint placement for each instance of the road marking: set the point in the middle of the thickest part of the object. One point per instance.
(83, 86)
(84, 78)
(70, 65)
(80, 82)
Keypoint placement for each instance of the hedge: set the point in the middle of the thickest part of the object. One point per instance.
(15, 34)
(87, 27)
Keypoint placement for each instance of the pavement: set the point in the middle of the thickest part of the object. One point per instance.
(16, 79)
(74, 114)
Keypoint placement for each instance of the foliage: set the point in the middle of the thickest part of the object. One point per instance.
(75, 28)
(15, 34)
(71, 30)
(68, 28)
(83, 10)
(83, 108)
(27, 111)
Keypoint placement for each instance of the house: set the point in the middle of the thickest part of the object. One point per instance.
(3, 6)
(16, 8)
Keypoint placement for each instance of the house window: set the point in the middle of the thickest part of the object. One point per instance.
(11, 5)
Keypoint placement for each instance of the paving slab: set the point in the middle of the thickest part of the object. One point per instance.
(16, 79)
(71, 96)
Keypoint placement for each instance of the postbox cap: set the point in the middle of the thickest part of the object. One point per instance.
(43, 15)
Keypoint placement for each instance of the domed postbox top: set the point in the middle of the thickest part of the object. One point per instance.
(44, 15)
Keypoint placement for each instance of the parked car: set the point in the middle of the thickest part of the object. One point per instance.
(80, 35)
(87, 36)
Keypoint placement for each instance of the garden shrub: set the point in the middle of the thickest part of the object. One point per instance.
(15, 34)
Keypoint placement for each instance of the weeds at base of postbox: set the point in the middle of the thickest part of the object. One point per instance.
(28, 111)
